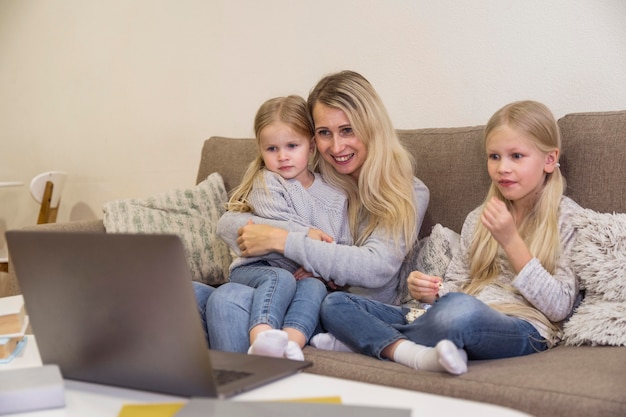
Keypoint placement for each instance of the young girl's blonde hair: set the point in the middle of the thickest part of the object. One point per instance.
(383, 196)
(539, 228)
(292, 111)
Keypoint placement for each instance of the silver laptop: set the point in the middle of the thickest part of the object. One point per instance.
(119, 309)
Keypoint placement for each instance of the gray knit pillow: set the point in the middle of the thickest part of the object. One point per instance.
(430, 255)
(191, 213)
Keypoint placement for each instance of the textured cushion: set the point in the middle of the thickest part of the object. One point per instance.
(431, 255)
(191, 213)
(600, 262)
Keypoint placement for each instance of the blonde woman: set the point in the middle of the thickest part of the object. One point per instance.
(510, 285)
(359, 152)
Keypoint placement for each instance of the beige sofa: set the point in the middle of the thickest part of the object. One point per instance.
(565, 381)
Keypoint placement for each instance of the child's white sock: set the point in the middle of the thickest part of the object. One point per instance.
(293, 351)
(271, 342)
(453, 359)
(445, 357)
(327, 341)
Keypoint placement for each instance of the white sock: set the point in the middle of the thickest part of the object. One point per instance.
(445, 357)
(271, 342)
(453, 359)
(327, 341)
(293, 351)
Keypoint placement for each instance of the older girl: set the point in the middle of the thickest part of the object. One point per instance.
(510, 285)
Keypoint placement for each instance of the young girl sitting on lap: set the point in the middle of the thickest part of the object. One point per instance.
(278, 185)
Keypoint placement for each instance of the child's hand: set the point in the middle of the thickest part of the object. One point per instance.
(317, 234)
(302, 273)
(499, 221)
(423, 287)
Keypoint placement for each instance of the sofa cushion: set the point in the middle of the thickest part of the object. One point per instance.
(564, 381)
(191, 213)
(600, 262)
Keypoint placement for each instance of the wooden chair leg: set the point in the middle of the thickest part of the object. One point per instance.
(52, 216)
(44, 211)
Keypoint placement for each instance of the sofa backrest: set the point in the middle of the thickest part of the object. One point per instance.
(594, 159)
(451, 162)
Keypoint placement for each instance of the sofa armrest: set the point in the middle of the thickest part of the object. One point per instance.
(73, 226)
(8, 282)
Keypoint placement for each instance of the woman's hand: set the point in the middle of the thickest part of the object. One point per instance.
(260, 239)
(422, 287)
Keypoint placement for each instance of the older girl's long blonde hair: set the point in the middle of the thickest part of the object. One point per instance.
(383, 196)
(539, 229)
(292, 111)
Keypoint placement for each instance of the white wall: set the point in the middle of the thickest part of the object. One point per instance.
(122, 93)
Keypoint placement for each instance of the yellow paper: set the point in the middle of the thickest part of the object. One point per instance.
(170, 409)
(327, 400)
(150, 410)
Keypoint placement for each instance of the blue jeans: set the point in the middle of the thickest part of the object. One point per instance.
(279, 300)
(228, 312)
(202, 293)
(369, 326)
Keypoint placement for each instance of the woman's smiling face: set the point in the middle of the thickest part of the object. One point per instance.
(336, 141)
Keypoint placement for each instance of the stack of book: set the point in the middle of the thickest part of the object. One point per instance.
(13, 324)
(26, 388)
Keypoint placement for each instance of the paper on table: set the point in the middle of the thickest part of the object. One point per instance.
(326, 400)
(150, 410)
(170, 409)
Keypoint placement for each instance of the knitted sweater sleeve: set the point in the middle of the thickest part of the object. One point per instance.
(286, 204)
(273, 201)
(231, 221)
(553, 294)
(375, 264)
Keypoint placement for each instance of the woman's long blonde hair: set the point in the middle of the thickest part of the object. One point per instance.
(383, 196)
(540, 228)
(292, 111)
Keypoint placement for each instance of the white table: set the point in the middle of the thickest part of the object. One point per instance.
(11, 183)
(93, 400)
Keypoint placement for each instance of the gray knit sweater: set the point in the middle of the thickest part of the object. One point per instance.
(372, 269)
(320, 206)
(553, 295)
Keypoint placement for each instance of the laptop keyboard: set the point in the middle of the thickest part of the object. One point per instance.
(225, 376)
